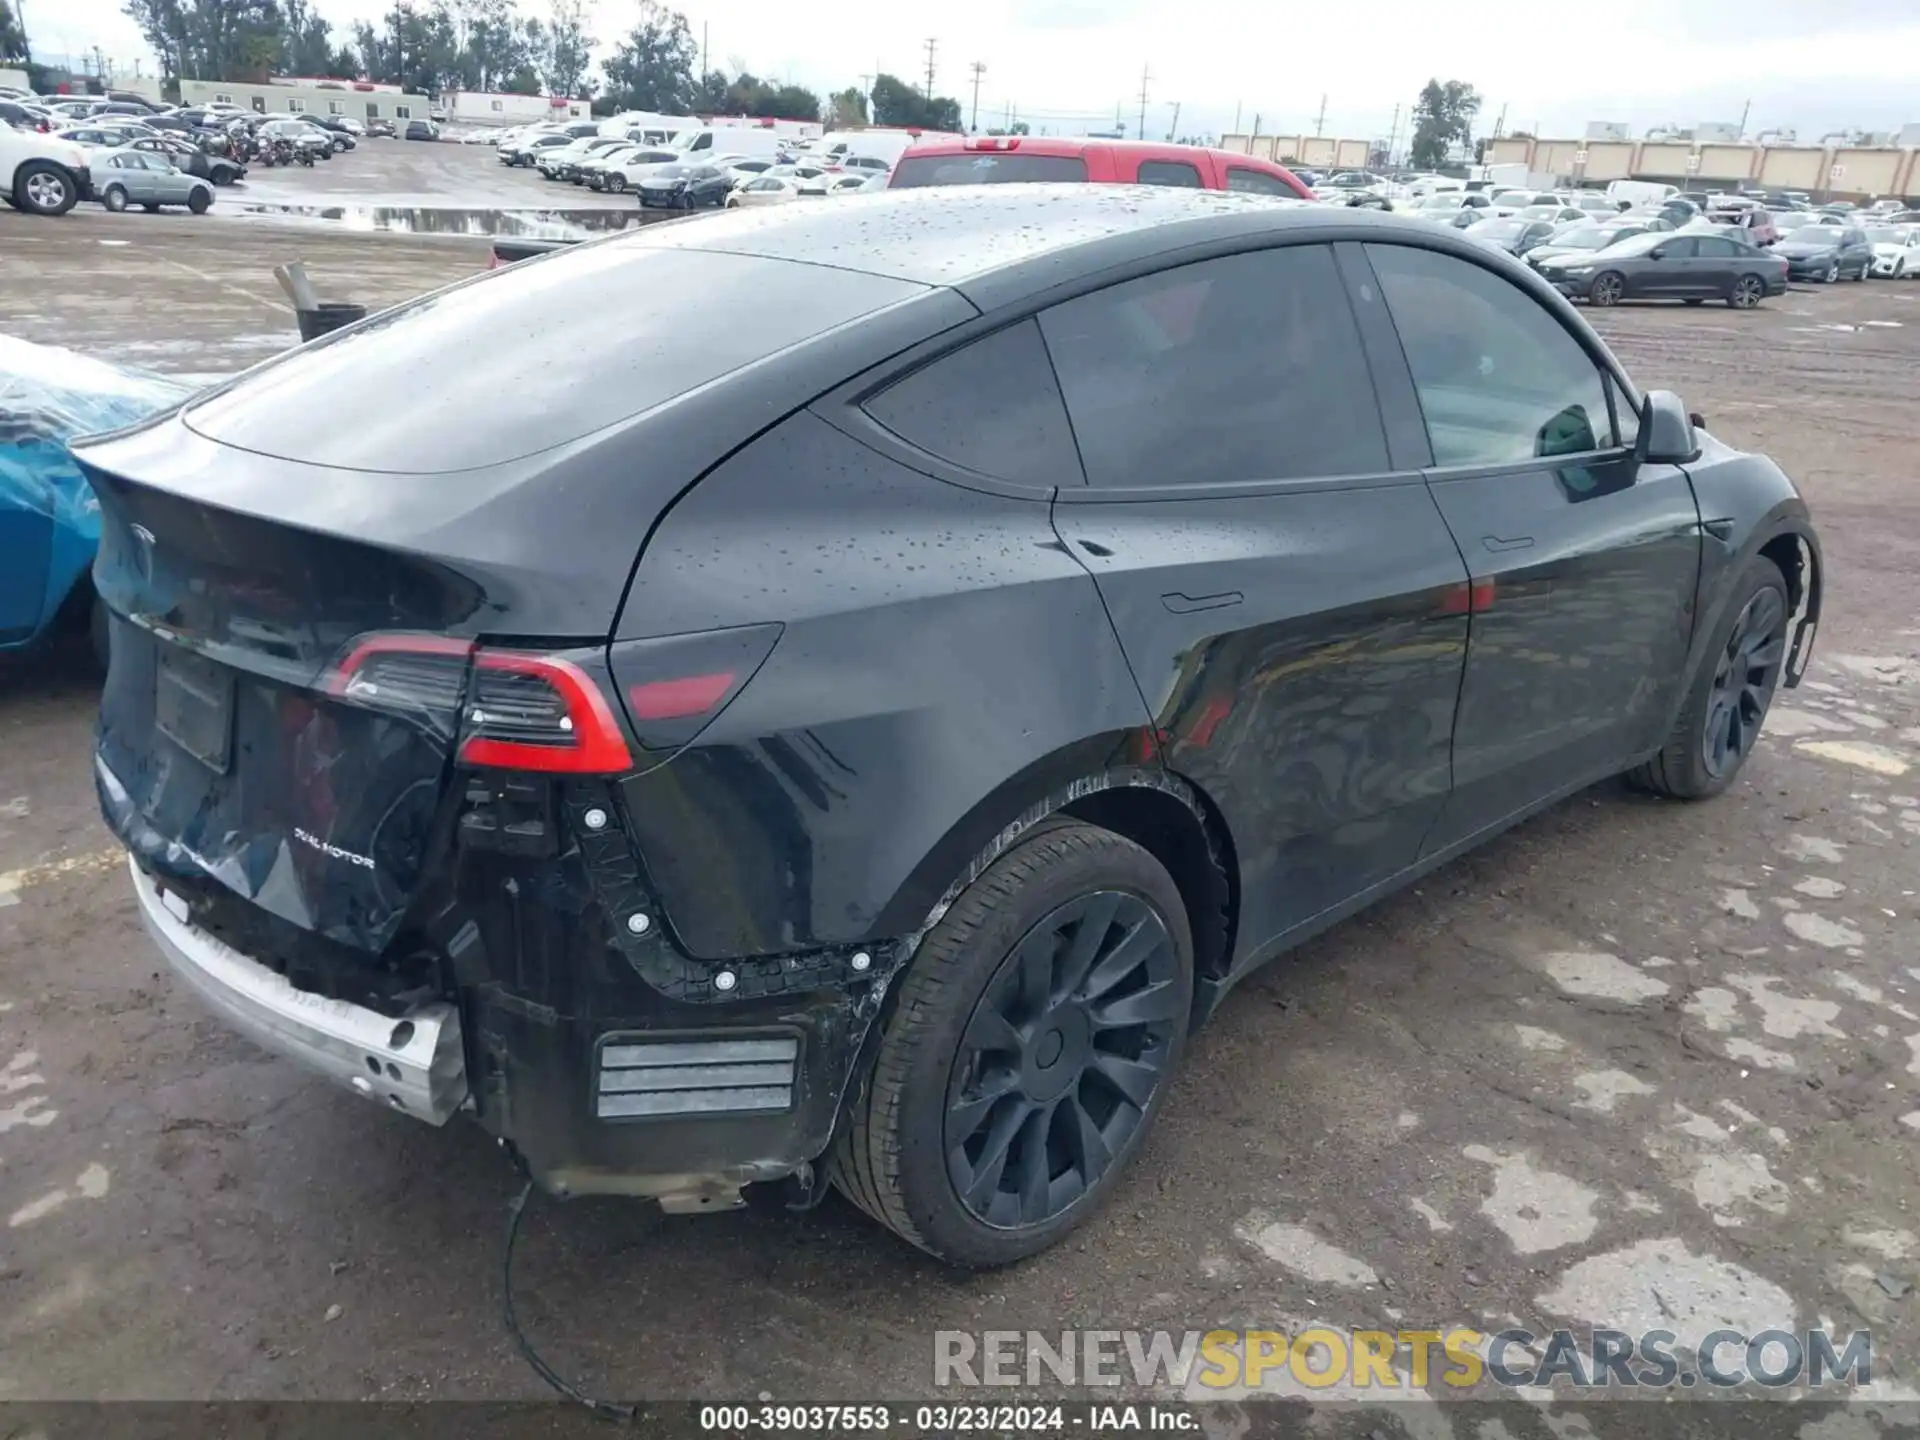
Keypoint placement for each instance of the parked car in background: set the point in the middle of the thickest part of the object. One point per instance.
(378, 129)
(41, 173)
(421, 130)
(1453, 207)
(297, 132)
(998, 159)
(137, 177)
(1086, 415)
(1826, 253)
(217, 169)
(1896, 250)
(636, 165)
(1512, 202)
(562, 162)
(26, 116)
(763, 190)
(836, 183)
(527, 149)
(1553, 213)
(681, 186)
(1516, 235)
(339, 135)
(1585, 239)
(1676, 266)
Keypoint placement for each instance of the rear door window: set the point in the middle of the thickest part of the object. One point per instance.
(1257, 182)
(1500, 379)
(1244, 368)
(993, 407)
(1169, 172)
(991, 168)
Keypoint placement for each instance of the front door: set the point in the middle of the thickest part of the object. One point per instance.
(1583, 560)
(1287, 596)
(1671, 274)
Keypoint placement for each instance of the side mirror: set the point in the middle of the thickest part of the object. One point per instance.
(1659, 252)
(1666, 431)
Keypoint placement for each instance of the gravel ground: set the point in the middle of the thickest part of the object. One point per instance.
(1634, 1064)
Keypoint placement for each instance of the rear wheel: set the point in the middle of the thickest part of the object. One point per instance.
(616, 183)
(114, 198)
(1607, 288)
(1028, 1052)
(1727, 701)
(1746, 293)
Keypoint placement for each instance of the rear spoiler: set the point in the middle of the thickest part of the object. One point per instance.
(505, 252)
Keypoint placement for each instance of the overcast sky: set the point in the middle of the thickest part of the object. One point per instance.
(1816, 65)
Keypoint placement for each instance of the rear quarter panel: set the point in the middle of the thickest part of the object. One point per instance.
(938, 643)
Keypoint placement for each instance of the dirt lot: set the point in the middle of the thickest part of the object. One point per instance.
(1634, 1064)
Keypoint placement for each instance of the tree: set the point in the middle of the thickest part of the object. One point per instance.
(13, 39)
(1443, 114)
(306, 40)
(652, 69)
(493, 48)
(897, 103)
(846, 108)
(210, 39)
(569, 48)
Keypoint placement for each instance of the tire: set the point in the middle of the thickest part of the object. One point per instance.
(41, 187)
(899, 1157)
(616, 183)
(1727, 700)
(198, 202)
(1861, 276)
(114, 197)
(1748, 291)
(1607, 288)
(1832, 277)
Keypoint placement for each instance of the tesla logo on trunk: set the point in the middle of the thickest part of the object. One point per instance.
(330, 850)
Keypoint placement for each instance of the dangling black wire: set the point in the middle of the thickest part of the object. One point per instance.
(605, 1409)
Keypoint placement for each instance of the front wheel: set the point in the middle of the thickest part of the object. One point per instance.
(1727, 700)
(1607, 288)
(616, 183)
(1746, 293)
(199, 201)
(114, 198)
(1031, 1044)
(42, 188)
(1832, 275)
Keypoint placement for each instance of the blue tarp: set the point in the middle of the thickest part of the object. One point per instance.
(49, 519)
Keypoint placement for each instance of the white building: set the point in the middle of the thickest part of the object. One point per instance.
(485, 107)
(359, 99)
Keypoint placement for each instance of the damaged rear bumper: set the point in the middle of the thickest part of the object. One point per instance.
(414, 1064)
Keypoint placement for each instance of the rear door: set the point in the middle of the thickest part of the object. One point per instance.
(1287, 595)
(1716, 262)
(1583, 560)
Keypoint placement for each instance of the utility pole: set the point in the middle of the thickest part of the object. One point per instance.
(1256, 132)
(1393, 134)
(1174, 129)
(1320, 122)
(973, 125)
(1145, 76)
(1745, 110)
(1236, 117)
(1119, 121)
(1500, 122)
(932, 45)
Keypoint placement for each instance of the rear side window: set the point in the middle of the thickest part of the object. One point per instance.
(1248, 367)
(1258, 182)
(992, 407)
(1499, 377)
(1169, 172)
(998, 168)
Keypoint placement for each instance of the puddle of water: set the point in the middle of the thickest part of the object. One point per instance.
(578, 224)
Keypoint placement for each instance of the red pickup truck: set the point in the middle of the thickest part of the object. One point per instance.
(985, 159)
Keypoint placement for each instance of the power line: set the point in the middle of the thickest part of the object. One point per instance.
(978, 69)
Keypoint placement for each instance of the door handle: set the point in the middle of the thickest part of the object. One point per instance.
(1188, 604)
(1498, 545)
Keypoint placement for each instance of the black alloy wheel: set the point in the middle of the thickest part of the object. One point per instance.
(1744, 678)
(1746, 293)
(1607, 288)
(1026, 1050)
(1063, 1054)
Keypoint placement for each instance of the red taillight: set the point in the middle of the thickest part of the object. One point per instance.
(511, 710)
(993, 142)
(677, 699)
(539, 712)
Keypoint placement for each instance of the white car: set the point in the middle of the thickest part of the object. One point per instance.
(560, 161)
(865, 165)
(798, 170)
(1509, 203)
(597, 171)
(42, 174)
(628, 173)
(1896, 251)
(842, 183)
(764, 190)
(746, 168)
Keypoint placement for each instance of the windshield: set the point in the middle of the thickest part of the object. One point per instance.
(1634, 245)
(1441, 202)
(1790, 220)
(1497, 229)
(1590, 237)
(1514, 197)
